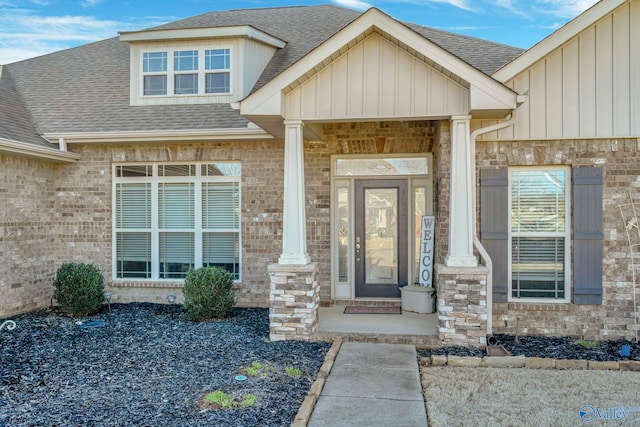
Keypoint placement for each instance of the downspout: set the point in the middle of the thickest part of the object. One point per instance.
(62, 145)
(476, 241)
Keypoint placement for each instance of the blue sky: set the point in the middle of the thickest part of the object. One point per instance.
(31, 28)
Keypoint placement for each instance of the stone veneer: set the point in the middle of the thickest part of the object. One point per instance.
(462, 305)
(294, 301)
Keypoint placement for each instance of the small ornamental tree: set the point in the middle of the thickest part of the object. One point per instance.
(79, 288)
(208, 293)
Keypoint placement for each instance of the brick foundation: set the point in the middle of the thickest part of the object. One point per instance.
(462, 305)
(294, 301)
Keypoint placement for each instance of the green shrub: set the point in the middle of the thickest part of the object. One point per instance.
(292, 372)
(79, 288)
(207, 293)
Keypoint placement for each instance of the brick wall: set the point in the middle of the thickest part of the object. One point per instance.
(54, 213)
(620, 159)
(28, 241)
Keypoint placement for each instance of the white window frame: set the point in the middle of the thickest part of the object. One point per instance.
(171, 73)
(566, 234)
(198, 179)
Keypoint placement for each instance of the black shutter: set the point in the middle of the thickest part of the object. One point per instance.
(587, 235)
(494, 222)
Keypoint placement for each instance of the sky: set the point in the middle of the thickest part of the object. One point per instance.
(30, 28)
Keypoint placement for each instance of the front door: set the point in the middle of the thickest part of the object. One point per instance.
(380, 237)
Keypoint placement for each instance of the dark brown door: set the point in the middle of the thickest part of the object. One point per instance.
(381, 237)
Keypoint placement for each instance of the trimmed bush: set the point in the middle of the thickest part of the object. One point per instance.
(79, 288)
(207, 293)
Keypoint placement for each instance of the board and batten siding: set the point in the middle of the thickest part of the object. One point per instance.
(254, 57)
(376, 78)
(587, 88)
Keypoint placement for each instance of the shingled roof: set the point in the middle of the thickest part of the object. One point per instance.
(86, 89)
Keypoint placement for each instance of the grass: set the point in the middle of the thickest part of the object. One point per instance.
(220, 399)
(292, 372)
(587, 344)
(526, 397)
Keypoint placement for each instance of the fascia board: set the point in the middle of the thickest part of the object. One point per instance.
(202, 33)
(9, 146)
(160, 136)
(375, 18)
(556, 39)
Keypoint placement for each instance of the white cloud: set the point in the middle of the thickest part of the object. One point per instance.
(90, 3)
(24, 34)
(353, 4)
(564, 8)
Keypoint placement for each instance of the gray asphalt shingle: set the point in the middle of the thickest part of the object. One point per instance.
(86, 89)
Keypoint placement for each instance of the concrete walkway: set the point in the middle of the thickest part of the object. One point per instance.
(372, 385)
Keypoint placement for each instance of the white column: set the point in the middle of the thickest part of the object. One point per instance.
(461, 215)
(294, 226)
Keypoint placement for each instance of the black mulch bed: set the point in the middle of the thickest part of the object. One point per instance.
(143, 365)
(551, 347)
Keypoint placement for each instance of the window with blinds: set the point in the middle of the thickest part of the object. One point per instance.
(539, 233)
(170, 218)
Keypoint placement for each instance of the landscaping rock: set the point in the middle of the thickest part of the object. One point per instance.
(463, 361)
(629, 365)
(603, 366)
(539, 363)
(503, 362)
(571, 364)
(142, 364)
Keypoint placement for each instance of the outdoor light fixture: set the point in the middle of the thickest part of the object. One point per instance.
(171, 298)
(107, 298)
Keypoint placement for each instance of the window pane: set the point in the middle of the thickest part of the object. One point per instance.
(377, 166)
(176, 255)
(186, 60)
(217, 59)
(176, 205)
(155, 85)
(537, 269)
(220, 205)
(222, 250)
(133, 253)
(154, 62)
(133, 170)
(218, 83)
(186, 84)
(221, 169)
(177, 170)
(133, 205)
(538, 201)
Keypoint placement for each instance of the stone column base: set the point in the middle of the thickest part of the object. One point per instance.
(293, 301)
(462, 305)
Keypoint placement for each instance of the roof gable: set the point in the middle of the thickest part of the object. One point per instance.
(486, 93)
(559, 37)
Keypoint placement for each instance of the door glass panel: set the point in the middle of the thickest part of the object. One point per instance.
(343, 234)
(381, 231)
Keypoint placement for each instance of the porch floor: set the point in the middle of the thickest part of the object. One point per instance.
(406, 328)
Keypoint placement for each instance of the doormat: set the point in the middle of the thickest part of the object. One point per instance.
(369, 309)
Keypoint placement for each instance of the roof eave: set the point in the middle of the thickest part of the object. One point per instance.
(160, 135)
(17, 148)
(247, 31)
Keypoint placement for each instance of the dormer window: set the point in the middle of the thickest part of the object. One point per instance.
(218, 66)
(179, 72)
(197, 65)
